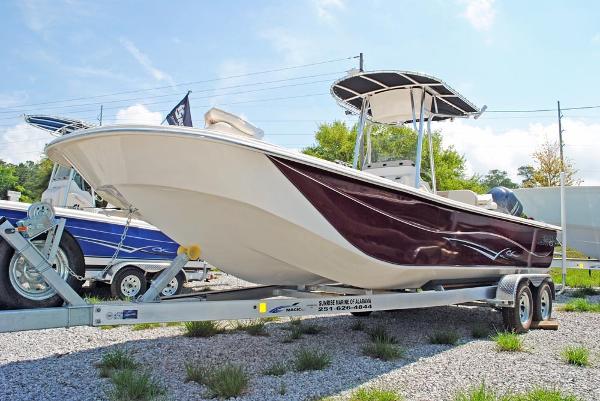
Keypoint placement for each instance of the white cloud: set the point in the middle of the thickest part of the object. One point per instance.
(145, 62)
(295, 50)
(486, 148)
(22, 142)
(138, 114)
(327, 8)
(12, 99)
(479, 13)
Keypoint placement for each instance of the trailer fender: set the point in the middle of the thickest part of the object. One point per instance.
(506, 291)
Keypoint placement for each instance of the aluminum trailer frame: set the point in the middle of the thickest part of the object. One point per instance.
(247, 303)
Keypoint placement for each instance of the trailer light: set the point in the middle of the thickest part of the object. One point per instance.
(262, 307)
(21, 229)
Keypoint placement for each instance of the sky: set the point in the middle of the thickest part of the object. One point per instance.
(272, 62)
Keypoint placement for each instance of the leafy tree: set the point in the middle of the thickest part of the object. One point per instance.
(498, 178)
(548, 166)
(8, 178)
(335, 142)
(527, 173)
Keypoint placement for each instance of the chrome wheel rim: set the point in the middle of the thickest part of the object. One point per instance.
(171, 288)
(524, 308)
(545, 305)
(30, 284)
(131, 286)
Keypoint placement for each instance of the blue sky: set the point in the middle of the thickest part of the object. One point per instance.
(506, 54)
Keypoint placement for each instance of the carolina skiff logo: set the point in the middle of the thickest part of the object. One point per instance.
(506, 253)
(287, 308)
(179, 114)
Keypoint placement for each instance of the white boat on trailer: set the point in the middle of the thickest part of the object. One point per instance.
(302, 225)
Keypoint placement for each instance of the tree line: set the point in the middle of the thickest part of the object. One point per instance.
(335, 142)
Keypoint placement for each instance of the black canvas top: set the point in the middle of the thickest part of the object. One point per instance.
(350, 91)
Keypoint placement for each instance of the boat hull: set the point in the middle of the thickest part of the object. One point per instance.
(98, 236)
(266, 216)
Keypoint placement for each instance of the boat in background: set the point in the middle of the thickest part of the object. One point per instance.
(273, 216)
(582, 205)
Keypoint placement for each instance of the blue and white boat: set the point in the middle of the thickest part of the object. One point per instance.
(102, 244)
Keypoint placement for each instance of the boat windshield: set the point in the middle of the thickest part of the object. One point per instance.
(391, 143)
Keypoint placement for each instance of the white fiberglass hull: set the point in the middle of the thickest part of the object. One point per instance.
(223, 193)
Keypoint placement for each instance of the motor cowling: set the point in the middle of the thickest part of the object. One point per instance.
(507, 201)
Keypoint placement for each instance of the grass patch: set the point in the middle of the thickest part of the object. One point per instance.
(374, 395)
(380, 334)
(310, 329)
(144, 326)
(173, 324)
(358, 325)
(282, 389)
(115, 360)
(277, 369)
(507, 341)
(483, 393)
(576, 355)
(577, 278)
(383, 350)
(480, 331)
(206, 328)
(109, 327)
(311, 359)
(224, 381)
(447, 337)
(130, 385)
(581, 305)
(253, 327)
(294, 334)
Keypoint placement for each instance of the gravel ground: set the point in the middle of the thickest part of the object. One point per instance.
(58, 364)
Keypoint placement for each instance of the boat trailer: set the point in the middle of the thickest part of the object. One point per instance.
(247, 303)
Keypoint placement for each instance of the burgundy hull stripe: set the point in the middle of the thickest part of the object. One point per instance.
(401, 228)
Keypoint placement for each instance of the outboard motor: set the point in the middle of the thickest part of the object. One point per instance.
(507, 201)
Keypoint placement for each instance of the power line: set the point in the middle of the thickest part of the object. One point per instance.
(543, 110)
(187, 83)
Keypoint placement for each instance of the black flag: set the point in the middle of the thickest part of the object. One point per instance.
(181, 114)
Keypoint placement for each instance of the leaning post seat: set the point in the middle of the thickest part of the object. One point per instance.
(220, 120)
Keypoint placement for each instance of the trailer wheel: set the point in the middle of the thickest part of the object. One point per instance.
(542, 301)
(175, 286)
(129, 282)
(519, 317)
(22, 287)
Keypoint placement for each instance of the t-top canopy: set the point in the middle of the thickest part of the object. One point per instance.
(394, 95)
(55, 125)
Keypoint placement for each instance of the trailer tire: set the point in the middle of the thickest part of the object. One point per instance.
(69, 256)
(176, 288)
(518, 318)
(542, 302)
(128, 283)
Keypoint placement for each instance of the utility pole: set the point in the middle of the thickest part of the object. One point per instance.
(100, 116)
(360, 63)
(560, 140)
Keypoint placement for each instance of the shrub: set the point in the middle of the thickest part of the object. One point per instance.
(481, 393)
(144, 326)
(196, 372)
(277, 369)
(310, 359)
(447, 337)
(374, 395)
(115, 360)
(581, 305)
(380, 334)
(383, 350)
(228, 381)
(576, 355)
(202, 329)
(130, 385)
(480, 331)
(253, 327)
(358, 325)
(507, 341)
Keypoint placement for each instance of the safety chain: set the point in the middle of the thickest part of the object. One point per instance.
(123, 235)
